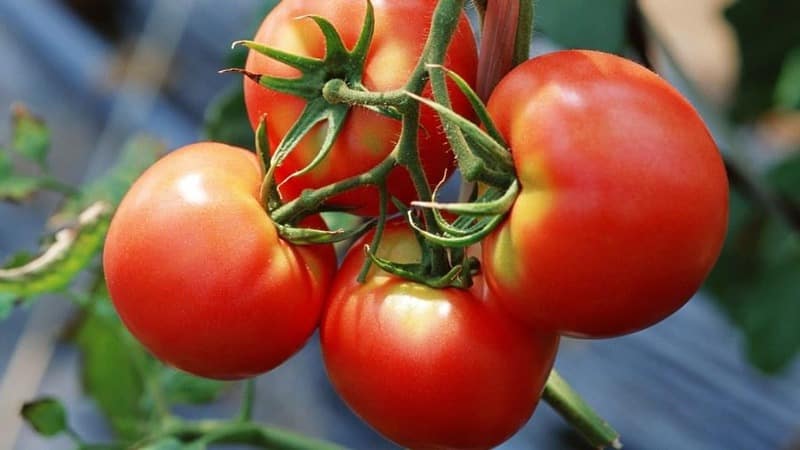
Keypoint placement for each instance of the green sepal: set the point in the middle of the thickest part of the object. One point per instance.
(414, 272)
(312, 236)
(290, 59)
(486, 226)
(488, 205)
(338, 63)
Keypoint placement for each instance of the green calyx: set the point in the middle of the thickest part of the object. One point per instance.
(340, 64)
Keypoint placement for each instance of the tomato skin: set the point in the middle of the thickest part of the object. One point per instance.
(624, 199)
(430, 368)
(367, 137)
(198, 273)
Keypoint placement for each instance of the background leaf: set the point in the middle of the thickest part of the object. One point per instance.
(586, 24)
(30, 136)
(787, 91)
(110, 372)
(757, 279)
(47, 416)
(182, 388)
(763, 49)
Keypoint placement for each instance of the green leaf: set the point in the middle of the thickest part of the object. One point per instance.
(787, 92)
(182, 388)
(30, 136)
(109, 373)
(12, 186)
(47, 416)
(756, 281)
(7, 302)
(138, 154)
(166, 444)
(226, 119)
(70, 252)
(586, 24)
(763, 50)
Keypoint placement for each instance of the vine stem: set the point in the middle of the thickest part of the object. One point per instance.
(234, 432)
(248, 397)
(569, 404)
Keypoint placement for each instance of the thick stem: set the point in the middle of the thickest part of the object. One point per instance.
(336, 91)
(569, 404)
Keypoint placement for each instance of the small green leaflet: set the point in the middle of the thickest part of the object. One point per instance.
(30, 136)
(47, 416)
(72, 249)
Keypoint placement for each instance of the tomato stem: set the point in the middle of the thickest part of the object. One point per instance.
(569, 404)
(235, 432)
(248, 396)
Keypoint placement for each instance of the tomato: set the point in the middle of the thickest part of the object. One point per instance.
(367, 137)
(198, 273)
(429, 368)
(624, 198)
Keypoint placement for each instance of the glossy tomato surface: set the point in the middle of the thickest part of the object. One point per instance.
(624, 199)
(430, 368)
(198, 274)
(368, 137)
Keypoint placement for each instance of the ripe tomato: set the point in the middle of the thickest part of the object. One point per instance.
(429, 368)
(367, 137)
(197, 271)
(624, 199)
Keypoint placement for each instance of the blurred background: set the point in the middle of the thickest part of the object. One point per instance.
(720, 374)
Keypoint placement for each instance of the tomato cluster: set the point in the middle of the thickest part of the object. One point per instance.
(621, 214)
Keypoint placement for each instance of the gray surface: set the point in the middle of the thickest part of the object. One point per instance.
(680, 385)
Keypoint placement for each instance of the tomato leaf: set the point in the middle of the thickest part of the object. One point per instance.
(757, 278)
(72, 250)
(47, 416)
(14, 187)
(30, 136)
(109, 372)
(585, 24)
(7, 302)
(763, 50)
(182, 388)
(226, 119)
(138, 154)
(168, 444)
(787, 92)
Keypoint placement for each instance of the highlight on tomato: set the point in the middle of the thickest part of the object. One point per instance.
(198, 273)
(624, 197)
(429, 368)
(366, 137)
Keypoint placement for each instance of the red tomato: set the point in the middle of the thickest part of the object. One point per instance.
(430, 368)
(197, 271)
(624, 199)
(367, 137)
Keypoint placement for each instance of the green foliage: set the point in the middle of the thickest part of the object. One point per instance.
(586, 24)
(72, 250)
(757, 279)
(226, 119)
(138, 154)
(182, 388)
(109, 372)
(787, 91)
(47, 416)
(31, 138)
(764, 50)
